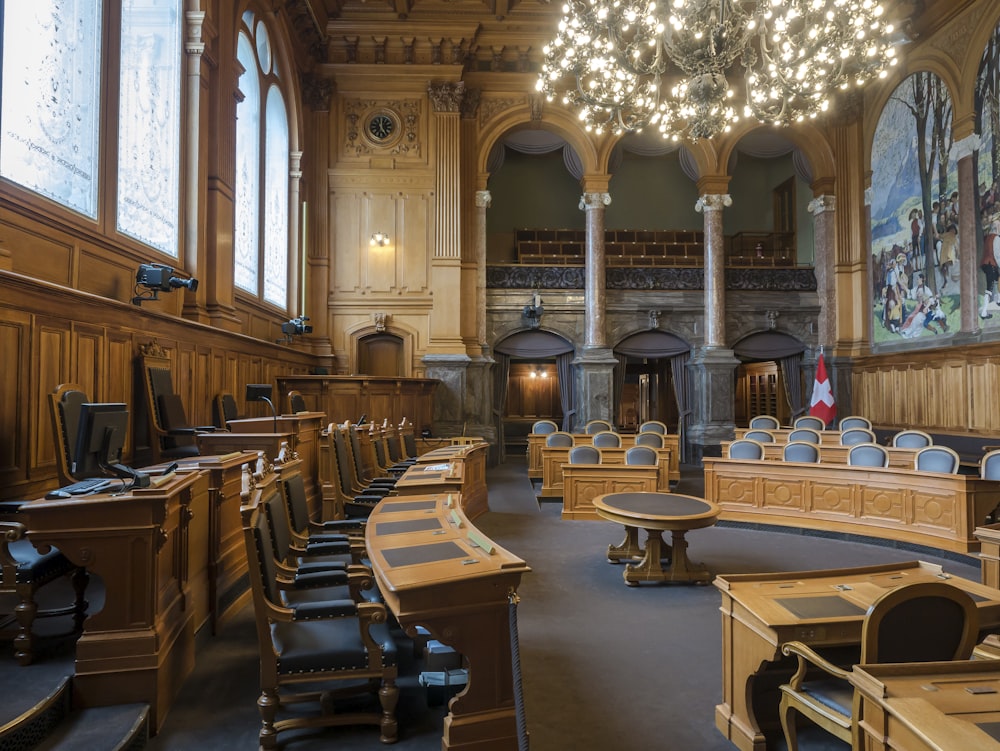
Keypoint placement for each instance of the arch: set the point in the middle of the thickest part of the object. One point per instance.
(355, 334)
(767, 345)
(553, 118)
(534, 344)
(652, 344)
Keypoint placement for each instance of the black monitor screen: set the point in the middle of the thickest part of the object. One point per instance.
(100, 439)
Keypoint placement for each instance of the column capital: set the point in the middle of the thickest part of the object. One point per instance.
(446, 96)
(821, 204)
(967, 145)
(484, 199)
(594, 200)
(193, 43)
(713, 202)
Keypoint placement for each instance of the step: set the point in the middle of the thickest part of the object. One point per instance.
(122, 727)
(33, 719)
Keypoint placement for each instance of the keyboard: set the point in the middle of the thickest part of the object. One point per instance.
(90, 485)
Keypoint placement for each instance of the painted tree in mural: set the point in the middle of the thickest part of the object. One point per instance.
(987, 106)
(987, 96)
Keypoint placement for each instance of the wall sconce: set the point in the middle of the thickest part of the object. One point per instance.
(539, 372)
(533, 312)
(379, 240)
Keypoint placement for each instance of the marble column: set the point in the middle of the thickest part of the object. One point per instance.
(968, 248)
(712, 365)
(483, 201)
(824, 212)
(595, 363)
(194, 48)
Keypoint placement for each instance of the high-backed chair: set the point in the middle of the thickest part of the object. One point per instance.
(809, 421)
(746, 449)
(920, 622)
(296, 402)
(224, 409)
(809, 435)
(584, 455)
(867, 455)
(800, 451)
(653, 440)
(544, 427)
(854, 436)
(330, 648)
(912, 439)
(653, 426)
(855, 421)
(942, 459)
(303, 522)
(989, 465)
(171, 436)
(764, 422)
(761, 436)
(358, 500)
(64, 410)
(607, 439)
(559, 439)
(642, 455)
(596, 426)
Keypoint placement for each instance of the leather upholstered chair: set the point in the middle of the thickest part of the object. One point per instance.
(761, 436)
(296, 402)
(544, 427)
(920, 622)
(559, 439)
(653, 440)
(854, 436)
(642, 455)
(809, 421)
(800, 451)
(584, 455)
(607, 439)
(810, 435)
(764, 422)
(912, 439)
(171, 436)
(867, 455)
(64, 410)
(224, 409)
(989, 465)
(937, 459)
(315, 649)
(596, 426)
(653, 426)
(855, 421)
(746, 449)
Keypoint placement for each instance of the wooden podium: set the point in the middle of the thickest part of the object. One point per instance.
(140, 646)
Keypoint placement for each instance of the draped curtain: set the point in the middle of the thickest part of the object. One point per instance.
(682, 393)
(501, 374)
(567, 388)
(618, 385)
(791, 374)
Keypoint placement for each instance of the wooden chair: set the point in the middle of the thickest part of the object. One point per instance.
(584, 455)
(597, 426)
(544, 427)
(912, 439)
(224, 409)
(809, 435)
(920, 622)
(761, 436)
(653, 426)
(989, 465)
(800, 451)
(642, 455)
(358, 500)
(937, 459)
(867, 455)
(808, 421)
(64, 410)
(764, 422)
(559, 439)
(855, 421)
(315, 651)
(854, 436)
(296, 402)
(607, 439)
(746, 449)
(653, 440)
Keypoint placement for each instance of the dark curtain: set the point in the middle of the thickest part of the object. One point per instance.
(567, 388)
(682, 393)
(791, 374)
(501, 372)
(618, 386)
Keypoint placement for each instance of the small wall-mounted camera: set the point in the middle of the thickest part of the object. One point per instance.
(295, 327)
(157, 278)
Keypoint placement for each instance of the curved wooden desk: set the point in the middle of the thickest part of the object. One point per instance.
(656, 512)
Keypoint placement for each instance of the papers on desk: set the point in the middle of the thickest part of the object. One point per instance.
(437, 467)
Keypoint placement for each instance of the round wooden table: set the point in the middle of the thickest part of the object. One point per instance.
(656, 512)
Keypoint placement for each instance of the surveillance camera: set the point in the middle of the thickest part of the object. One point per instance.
(159, 277)
(296, 326)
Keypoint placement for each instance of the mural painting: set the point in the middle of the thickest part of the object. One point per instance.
(987, 167)
(914, 215)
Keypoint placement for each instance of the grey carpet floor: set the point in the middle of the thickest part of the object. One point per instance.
(606, 667)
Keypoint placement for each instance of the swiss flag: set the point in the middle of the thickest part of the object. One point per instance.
(822, 405)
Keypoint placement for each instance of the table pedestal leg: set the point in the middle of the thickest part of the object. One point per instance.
(681, 567)
(650, 569)
(629, 547)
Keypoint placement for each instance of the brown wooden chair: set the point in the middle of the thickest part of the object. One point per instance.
(224, 409)
(920, 622)
(296, 402)
(64, 410)
(314, 649)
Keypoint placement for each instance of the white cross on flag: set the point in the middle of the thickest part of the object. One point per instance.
(822, 405)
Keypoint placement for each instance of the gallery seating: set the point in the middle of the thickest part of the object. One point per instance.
(948, 629)
(764, 422)
(800, 451)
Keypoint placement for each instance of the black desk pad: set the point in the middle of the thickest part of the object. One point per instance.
(991, 729)
(820, 606)
(394, 506)
(409, 525)
(657, 504)
(414, 554)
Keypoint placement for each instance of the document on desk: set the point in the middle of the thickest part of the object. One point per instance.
(822, 606)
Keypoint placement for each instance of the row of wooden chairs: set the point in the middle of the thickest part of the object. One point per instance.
(770, 422)
(635, 455)
(606, 439)
(544, 427)
(866, 454)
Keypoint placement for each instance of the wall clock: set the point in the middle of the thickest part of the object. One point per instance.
(382, 127)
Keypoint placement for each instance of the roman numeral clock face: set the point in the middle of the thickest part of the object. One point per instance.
(381, 127)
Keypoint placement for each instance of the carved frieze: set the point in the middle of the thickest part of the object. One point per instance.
(490, 108)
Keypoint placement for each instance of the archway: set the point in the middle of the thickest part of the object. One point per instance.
(769, 377)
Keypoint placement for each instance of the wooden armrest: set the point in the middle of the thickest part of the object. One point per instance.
(806, 656)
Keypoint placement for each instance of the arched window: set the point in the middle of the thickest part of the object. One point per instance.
(262, 163)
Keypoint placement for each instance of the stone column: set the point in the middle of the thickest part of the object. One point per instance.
(483, 202)
(824, 212)
(968, 248)
(194, 47)
(296, 275)
(712, 365)
(595, 363)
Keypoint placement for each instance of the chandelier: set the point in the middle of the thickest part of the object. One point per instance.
(627, 64)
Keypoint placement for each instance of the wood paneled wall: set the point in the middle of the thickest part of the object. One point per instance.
(51, 334)
(955, 390)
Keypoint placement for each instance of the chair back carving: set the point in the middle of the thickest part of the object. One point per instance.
(559, 439)
(800, 451)
(765, 422)
(653, 440)
(809, 421)
(854, 436)
(761, 436)
(597, 426)
(584, 455)
(810, 435)
(855, 421)
(746, 449)
(912, 439)
(867, 455)
(544, 427)
(607, 439)
(642, 455)
(937, 459)
(653, 426)
(64, 409)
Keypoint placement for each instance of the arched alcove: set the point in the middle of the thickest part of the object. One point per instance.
(651, 381)
(382, 354)
(769, 377)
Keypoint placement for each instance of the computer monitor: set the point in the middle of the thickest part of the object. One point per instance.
(100, 439)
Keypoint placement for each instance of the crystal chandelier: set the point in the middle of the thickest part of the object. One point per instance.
(627, 64)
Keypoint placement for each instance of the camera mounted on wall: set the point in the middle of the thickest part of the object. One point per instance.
(294, 327)
(157, 278)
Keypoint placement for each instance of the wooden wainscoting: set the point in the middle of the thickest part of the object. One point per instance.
(51, 335)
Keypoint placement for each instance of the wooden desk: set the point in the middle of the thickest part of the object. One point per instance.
(583, 483)
(554, 458)
(140, 646)
(465, 474)
(903, 458)
(536, 442)
(436, 570)
(923, 508)
(759, 615)
(926, 707)
(226, 442)
(305, 428)
(989, 554)
(656, 512)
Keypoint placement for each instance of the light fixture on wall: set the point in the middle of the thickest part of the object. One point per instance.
(626, 64)
(539, 372)
(379, 240)
(533, 311)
